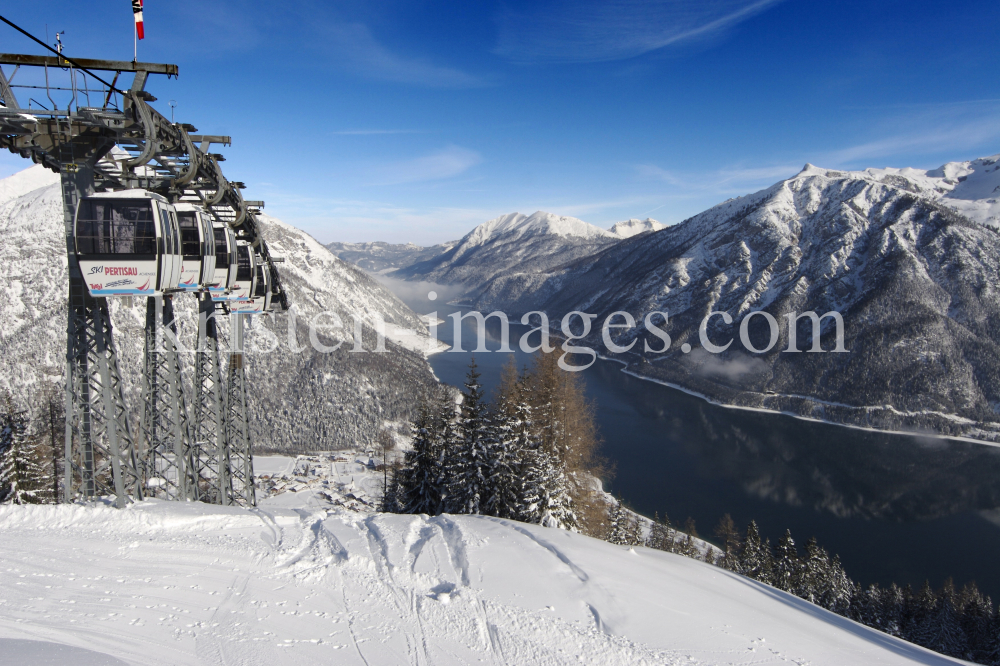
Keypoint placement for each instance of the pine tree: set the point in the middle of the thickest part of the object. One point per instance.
(866, 607)
(945, 628)
(977, 619)
(921, 614)
(506, 447)
(421, 477)
(618, 525)
(893, 609)
(813, 582)
(755, 558)
(839, 588)
(469, 469)
(22, 480)
(660, 535)
(787, 566)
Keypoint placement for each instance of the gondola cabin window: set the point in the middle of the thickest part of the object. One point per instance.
(110, 226)
(190, 237)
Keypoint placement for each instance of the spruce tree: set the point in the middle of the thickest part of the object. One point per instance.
(755, 558)
(787, 566)
(922, 616)
(505, 449)
(893, 609)
(469, 468)
(22, 480)
(618, 530)
(660, 534)
(420, 484)
(946, 634)
(977, 620)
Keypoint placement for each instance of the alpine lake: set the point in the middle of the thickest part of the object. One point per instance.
(895, 507)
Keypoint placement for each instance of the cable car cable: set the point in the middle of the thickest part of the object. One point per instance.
(66, 58)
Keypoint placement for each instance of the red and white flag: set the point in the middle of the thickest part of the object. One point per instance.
(137, 10)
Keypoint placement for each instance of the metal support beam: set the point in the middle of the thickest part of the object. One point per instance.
(89, 63)
(209, 409)
(238, 420)
(168, 452)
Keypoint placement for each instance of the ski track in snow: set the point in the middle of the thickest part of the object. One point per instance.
(297, 582)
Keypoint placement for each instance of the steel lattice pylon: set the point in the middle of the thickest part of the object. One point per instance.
(100, 450)
(209, 409)
(207, 457)
(168, 452)
(238, 421)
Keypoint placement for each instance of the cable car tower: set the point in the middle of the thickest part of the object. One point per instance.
(148, 213)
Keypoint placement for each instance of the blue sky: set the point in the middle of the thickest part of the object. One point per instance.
(415, 121)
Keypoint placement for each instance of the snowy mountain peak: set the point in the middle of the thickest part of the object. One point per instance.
(538, 222)
(25, 181)
(634, 227)
(970, 188)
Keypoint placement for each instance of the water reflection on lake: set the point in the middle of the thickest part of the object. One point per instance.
(900, 508)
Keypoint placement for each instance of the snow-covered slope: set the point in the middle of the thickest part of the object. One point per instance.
(379, 257)
(512, 242)
(300, 582)
(301, 400)
(634, 227)
(917, 284)
(972, 188)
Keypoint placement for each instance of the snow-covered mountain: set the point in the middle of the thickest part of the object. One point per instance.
(971, 188)
(301, 581)
(634, 227)
(512, 242)
(917, 284)
(380, 257)
(301, 400)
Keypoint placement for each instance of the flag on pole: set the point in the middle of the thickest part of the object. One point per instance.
(137, 10)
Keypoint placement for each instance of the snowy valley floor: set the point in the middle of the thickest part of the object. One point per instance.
(300, 581)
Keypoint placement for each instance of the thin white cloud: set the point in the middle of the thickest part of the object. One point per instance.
(352, 46)
(445, 163)
(596, 31)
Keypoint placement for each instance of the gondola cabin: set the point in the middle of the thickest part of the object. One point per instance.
(260, 300)
(225, 263)
(197, 247)
(246, 276)
(128, 243)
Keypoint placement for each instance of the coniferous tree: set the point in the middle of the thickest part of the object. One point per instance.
(946, 634)
(838, 589)
(866, 606)
(421, 477)
(921, 616)
(893, 610)
(618, 528)
(977, 620)
(815, 572)
(22, 480)
(660, 534)
(562, 422)
(468, 467)
(755, 559)
(505, 451)
(787, 566)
